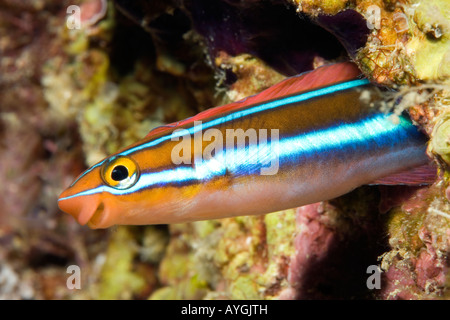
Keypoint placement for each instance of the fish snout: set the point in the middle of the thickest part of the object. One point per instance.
(82, 208)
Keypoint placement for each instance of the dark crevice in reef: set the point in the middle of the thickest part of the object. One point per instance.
(129, 43)
(349, 27)
(358, 239)
(271, 30)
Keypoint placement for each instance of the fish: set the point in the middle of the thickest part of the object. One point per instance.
(310, 138)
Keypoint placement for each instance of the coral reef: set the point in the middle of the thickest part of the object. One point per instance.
(71, 96)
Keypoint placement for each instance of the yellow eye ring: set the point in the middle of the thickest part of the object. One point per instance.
(120, 172)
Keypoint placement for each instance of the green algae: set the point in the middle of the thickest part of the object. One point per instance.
(431, 46)
(177, 270)
(256, 269)
(154, 244)
(404, 230)
(440, 143)
(118, 279)
(235, 258)
(280, 232)
(166, 293)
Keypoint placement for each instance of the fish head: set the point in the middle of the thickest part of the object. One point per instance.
(100, 196)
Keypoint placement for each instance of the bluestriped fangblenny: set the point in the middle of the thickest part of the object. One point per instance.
(309, 138)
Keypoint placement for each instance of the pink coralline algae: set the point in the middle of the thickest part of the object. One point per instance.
(334, 246)
(312, 245)
(92, 11)
(417, 265)
(431, 268)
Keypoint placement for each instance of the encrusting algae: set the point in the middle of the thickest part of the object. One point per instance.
(106, 85)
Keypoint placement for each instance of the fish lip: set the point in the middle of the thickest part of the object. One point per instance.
(83, 209)
(97, 216)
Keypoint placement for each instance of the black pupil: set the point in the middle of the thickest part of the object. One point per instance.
(119, 173)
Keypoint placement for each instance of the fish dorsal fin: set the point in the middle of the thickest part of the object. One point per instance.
(419, 176)
(320, 77)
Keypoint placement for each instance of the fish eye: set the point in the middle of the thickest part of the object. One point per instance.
(120, 172)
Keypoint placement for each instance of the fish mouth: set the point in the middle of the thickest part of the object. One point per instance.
(81, 208)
